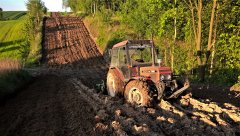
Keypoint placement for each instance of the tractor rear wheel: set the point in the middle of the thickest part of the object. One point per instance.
(136, 92)
(114, 84)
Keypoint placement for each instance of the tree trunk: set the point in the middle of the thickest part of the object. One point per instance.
(174, 38)
(172, 56)
(212, 58)
(211, 26)
(165, 56)
(94, 8)
(201, 71)
(198, 42)
(213, 44)
(210, 44)
(91, 7)
(199, 32)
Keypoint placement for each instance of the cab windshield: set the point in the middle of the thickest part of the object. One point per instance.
(140, 54)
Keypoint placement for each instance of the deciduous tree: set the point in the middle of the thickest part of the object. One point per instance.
(1, 14)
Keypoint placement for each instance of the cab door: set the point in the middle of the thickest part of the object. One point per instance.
(122, 65)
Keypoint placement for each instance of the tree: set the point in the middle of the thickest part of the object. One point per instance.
(65, 4)
(36, 10)
(196, 7)
(188, 31)
(33, 27)
(210, 43)
(135, 14)
(1, 14)
(227, 60)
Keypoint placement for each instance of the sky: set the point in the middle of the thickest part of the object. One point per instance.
(19, 5)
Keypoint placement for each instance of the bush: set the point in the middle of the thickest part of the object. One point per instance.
(225, 76)
(116, 37)
(106, 15)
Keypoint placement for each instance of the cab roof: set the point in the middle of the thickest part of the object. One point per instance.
(123, 43)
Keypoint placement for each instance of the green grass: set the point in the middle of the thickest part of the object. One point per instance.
(11, 37)
(106, 34)
(13, 15)
(10, 82)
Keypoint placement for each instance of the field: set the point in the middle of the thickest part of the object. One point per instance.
(13, 15)
(11, 36)
(64, 97)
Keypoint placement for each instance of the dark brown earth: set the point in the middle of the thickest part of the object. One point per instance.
(219, 94)
(63, 97)
(47, 108)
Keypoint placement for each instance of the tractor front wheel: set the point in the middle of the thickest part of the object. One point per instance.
(136, 92)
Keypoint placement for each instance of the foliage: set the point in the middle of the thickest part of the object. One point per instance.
(224, 76)
(170, 25)
(106, 34)
(92, 6)
(1, 14)
(228, 44)
(33, 29)
(116, 37)
(106, 15)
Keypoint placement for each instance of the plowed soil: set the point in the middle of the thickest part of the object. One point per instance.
(64, 99)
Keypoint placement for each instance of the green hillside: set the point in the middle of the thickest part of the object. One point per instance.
(13, 15)
(11, 36)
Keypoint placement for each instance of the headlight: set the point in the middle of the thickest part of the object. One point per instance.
(168, 77)
(162, 77)
(165, 77)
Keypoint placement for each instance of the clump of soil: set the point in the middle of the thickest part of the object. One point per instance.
(236, 88)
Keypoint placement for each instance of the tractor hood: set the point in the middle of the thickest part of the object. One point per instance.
(154, 73)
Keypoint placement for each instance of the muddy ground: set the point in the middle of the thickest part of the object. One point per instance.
(63, 98)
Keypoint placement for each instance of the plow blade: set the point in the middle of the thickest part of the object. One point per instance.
(178, 92)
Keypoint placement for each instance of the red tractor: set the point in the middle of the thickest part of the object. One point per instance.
(136, 73)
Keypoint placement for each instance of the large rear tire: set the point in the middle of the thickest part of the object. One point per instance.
(136, 92)
(114, 84)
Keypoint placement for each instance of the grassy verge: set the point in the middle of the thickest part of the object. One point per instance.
(35, 53)
(106, 34)
(12, 77)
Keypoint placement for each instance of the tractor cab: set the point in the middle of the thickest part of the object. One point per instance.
(138, 59)
(133, 53)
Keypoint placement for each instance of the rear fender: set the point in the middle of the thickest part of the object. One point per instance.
(118, 73)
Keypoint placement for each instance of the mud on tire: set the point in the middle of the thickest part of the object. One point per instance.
(136, 92)
(114, 84)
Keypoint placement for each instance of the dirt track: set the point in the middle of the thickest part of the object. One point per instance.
(62, 100)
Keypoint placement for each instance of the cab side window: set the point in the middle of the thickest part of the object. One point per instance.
(114, 59)
(122, 56)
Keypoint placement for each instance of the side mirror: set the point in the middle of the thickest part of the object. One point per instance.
(159, 61)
